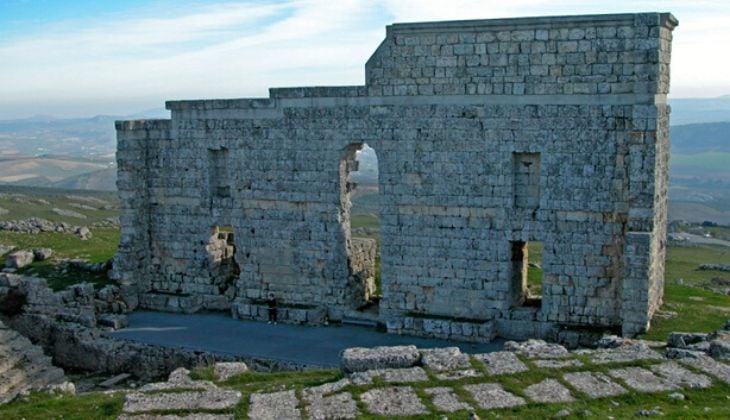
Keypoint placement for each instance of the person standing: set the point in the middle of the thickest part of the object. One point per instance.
(271, 302)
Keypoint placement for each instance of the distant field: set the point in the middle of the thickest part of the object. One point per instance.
(25, 202)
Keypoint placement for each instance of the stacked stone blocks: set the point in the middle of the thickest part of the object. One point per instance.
(455, 111)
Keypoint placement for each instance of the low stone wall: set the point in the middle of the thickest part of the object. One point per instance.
(461, 330)
(65, 323)
(287, 315)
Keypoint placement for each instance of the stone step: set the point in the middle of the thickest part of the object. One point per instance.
(361, 319)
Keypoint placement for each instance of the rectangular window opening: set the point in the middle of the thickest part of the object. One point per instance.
(527, 273)
(526, 177)
(218, 173)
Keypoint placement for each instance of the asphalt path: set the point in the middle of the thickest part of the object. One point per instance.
(219, 333)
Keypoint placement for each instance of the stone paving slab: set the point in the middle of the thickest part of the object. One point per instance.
(445, 359)
(171, 386)
(274, 406)
(393, 401)
(225, 370)
(325, 389)
(446, 400)
(338, 406)
(501, 362)
(358, 359)
(557, 364)
(534, 349)
(492, 395)
(137, 402)
(548, 391)
(642, 380)
(680, 376)
(414, 374)
(595, 385)
(710, 366)
(458, 374)
(623, 355)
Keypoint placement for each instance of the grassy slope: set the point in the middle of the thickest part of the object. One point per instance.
(25, 204)
(707, 403)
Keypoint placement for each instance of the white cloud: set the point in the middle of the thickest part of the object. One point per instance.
(132, 62)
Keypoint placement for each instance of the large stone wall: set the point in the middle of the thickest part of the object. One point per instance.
(489, 133)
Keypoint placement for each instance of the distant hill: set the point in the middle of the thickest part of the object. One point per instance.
(699, 138)
(78, 137)
(700, 110)
(101, 180)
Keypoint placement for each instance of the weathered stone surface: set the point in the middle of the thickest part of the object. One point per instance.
(325, 389)
(24, 367)
(115, 380)
(225, 370)
(358, 359)
(492, 395)
(720, 349)
(19, 259)
(548, 391)
(443, 359)
(598, 191)
(680, 376)
(710, 366)
(83, 233)
(393, 401)
(216, 399)
(42, 254)
(537, 349)
(274, 406)
(113, 321)
(337, 406)
(557, 364)
(414, 374)
(623, 354)
(642, 380)
(458, 374)
(684, 339)
(501, 362)
(595, 385)
(446, 400)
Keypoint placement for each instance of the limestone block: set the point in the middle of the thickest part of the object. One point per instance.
(19, 259)
(358, 359)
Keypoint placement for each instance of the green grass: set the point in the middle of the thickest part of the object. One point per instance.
(699, 403)
(101, 247)
(682, 263)
(697, 306)
(26, 202)
(80, 407)
(364, 221)
(534, 274)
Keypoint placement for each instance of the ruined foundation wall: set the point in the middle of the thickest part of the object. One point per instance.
(487, 133)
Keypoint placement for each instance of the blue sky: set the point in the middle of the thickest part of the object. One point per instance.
(83, 57)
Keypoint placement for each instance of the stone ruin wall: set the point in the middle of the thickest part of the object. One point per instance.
(488, 134)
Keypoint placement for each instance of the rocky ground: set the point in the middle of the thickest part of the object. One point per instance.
(400, 381)
(381, 382)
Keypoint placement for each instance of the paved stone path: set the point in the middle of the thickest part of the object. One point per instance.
(405, 395)
(316, 346)
(180, 393)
